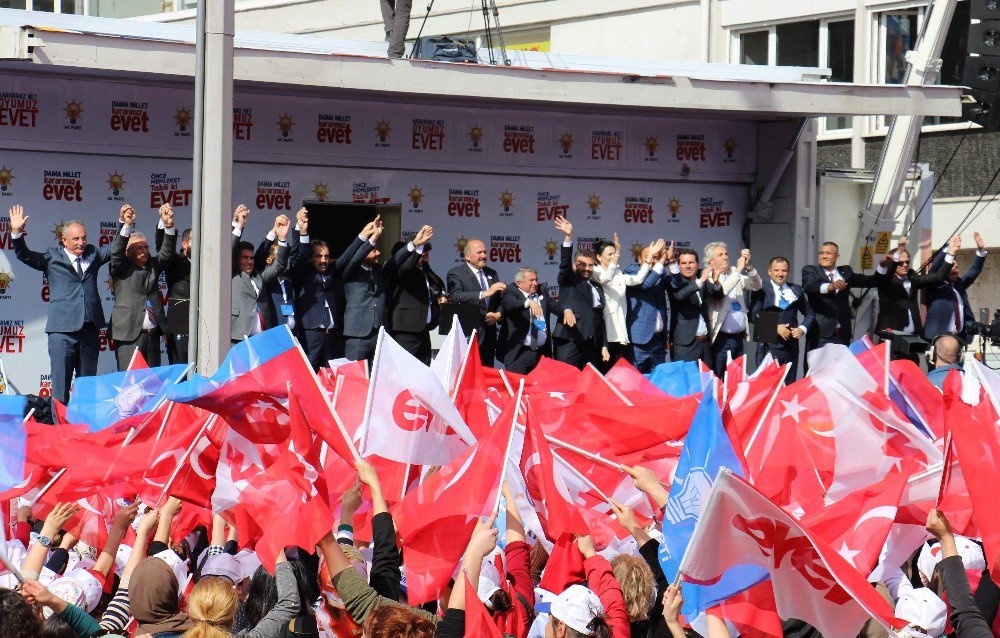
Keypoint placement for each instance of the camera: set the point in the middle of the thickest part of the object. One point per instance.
(985, 330)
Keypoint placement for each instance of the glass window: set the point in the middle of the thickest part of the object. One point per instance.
(72, 6)
(13, 4)
(753, 48)
(44, 5)
(840, 60)
(798, 44)
(900, 36)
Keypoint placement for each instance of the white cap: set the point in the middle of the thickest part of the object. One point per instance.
(121, 558)
(223, 565)
(925, 612)
(178, 565)
(79, 587)
(248, 562)
(489, 581)
(970, 552)
(576, 607)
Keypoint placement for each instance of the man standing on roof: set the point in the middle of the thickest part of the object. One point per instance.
(396, 18)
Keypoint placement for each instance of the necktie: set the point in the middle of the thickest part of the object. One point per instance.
(483, 286)
(79, 267)
(830, 276)
(958, 310)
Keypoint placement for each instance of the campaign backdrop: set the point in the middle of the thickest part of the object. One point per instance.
(74, 149)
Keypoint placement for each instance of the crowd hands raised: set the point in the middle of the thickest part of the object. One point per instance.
(144, 584)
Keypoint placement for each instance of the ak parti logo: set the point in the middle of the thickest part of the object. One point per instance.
(74, 114)
(651, 145)
(382, 131)
(566, 144)
(506, 202)
(673, 207)
(182, 120)
(416, 195)
(116, 184)
(551, 248)
(729, 147)
(6, 177)
(476, 135)
(636, 251)
(6, 279)
(594, 204)
(460, 243)
(320, 191)
(285, 124)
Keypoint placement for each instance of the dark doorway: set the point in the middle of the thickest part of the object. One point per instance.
(339, 223)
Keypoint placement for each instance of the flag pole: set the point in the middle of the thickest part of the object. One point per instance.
(618, 393)
(582, 452)
(371, 389)
(45, 489)
(506, 382)
(767, 410)
(209, 422)
(465, 361)
(580, 475)
(713, 496)
(27, 416)
(510, 442)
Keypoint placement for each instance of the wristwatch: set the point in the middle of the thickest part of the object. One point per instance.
(44, 541)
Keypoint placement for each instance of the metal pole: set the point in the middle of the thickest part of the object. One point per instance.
(196, 168)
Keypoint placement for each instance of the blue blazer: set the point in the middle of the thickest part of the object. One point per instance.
(645, 302)
(940, 298)
(764, 299)
(68, 292)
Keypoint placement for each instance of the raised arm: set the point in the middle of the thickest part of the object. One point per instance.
(277, 267)
(385, 576)
(166, 249)
(566, 273)
(18, 220)
(119, 260)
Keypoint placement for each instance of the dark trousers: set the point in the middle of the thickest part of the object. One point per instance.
(177, 348)
(416, 343)
(646, 356)
(72, 352)
(694, 351)
(576, 353)
(148, 345)
(358, 348)
(396, 19)
(725, 342)
(789, 354)
(524, 360)
(487, 337)
(321, 346)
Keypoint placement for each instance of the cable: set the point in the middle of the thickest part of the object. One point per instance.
(938, 178)
(962, 224)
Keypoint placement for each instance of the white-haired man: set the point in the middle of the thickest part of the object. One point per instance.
(727, 307)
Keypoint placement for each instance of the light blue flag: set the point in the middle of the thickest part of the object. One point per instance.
(102, 401)
(707, 449)
(679, 378)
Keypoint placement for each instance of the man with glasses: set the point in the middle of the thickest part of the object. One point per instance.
(137, 320)
(898, 299)
(828, 289)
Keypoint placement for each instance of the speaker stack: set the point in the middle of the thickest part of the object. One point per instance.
(982, 64)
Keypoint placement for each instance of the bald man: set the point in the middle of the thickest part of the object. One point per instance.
(947, 357)
(475, 283)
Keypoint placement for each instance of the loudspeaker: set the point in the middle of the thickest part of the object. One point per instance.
(984, 37)
(982, 64)
(982, 72)
(984, 9)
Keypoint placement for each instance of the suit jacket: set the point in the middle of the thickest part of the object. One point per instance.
(688, 303)
(895, 305)
(68, 292)
(464, 288)
(575, 293)
(940, 299)
(246, 301)
(718, 292)
(832, 308)
(313, 290)
(177, 269)
(414, 289)
(276, 297)
(517, 322)
(765, 300)
(646, 301)
(365, 295)
(135, 286)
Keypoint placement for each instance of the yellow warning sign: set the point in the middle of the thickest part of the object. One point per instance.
(867, 258)
(882, 241)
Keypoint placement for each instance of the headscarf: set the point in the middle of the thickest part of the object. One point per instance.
(153, 596)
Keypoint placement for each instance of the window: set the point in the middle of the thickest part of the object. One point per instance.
(840, 59)
(753, 47)
(798, 43)
(899, 35)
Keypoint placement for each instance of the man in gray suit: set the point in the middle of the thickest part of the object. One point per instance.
(249, 286)
(75, 316)
(137, 320)
(364, 290)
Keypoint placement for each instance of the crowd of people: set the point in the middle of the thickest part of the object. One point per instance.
(672, 303)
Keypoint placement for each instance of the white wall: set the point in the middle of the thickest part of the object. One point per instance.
(664, 33)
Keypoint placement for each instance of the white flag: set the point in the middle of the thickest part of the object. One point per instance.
(448, 362)
(410, 417)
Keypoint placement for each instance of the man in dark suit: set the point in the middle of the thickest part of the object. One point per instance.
(249, 305)
(280, 292)
(75, 316)
(688, 308)
(365, 308)
(578, 337)
(319, 294)
(646, 314)
(789, 301)
(898, 286)
(477, 284)
(526, 316)
(828, 290)
(178, 273)
(948, 308)
(137, 319)
(416, 293)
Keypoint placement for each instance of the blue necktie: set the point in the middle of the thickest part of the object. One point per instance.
(483, 286)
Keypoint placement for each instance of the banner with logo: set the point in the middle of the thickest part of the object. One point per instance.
(498, 175)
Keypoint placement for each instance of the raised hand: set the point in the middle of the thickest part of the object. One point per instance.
(980, 244)
(744, 260)
(61, 513)
(281, 226)
(564, 226)
(954, 244)
(127, 215)
(670, 251)
(241, 216)
(618, 244)
(625, 515)
(147, 524)
(484, 539)
(367, 474)
(349, 503)
(586, 545)
(423, 236)
(902, 243)
(125, 516)
(17, 219)
(167, 215)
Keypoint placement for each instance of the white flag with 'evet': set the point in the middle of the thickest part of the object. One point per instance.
(410, 417)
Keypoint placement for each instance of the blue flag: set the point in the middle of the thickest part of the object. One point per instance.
(707, 449)
(13, 440)
(102, 401)
(679, 378)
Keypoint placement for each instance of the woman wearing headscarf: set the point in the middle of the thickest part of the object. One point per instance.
(154, 595)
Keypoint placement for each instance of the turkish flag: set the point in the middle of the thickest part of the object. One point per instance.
(748, 402)
(811, 581)
(632, 383)
(478, 621)
(478, 403)
(436, 519)
(753, 612)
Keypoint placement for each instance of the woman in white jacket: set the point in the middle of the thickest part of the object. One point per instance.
(610, 277)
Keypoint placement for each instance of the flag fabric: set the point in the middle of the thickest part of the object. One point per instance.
(478, 403)
(478, 621)
(13, 441)
(411, 418)
(810, 580)
(103, 400)
(680, 378)
(451, 357)
(138, 362)
(707, 449)
(749, 402)
(752, 612)
(632, 383)
(436, 519)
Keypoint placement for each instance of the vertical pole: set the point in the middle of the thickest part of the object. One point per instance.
(196, 170)
(216, 183)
